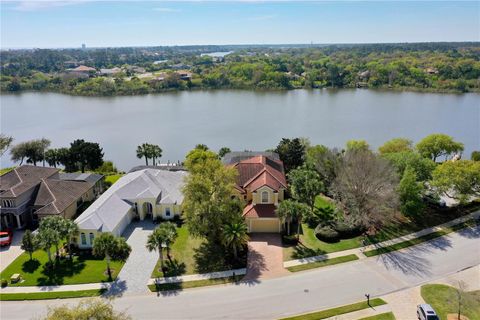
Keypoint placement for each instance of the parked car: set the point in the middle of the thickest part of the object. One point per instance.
(6, 237)
(426, 312)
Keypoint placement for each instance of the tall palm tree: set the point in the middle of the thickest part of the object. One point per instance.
(170, 231)
(48, 237)
(235, 236)
(144, 151)
(112, 248)
(156, 152)
(156, 241)
(288, 210)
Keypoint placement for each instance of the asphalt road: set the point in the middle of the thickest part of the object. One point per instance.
(297, 293)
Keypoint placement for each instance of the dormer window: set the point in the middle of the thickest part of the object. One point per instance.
(7, 203)
(264, 196)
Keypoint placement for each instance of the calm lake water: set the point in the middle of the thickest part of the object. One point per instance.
(237, 119)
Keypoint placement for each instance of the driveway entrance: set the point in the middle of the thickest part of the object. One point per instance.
(265, 256)
(136, 272)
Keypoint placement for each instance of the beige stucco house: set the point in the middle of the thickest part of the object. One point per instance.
(144, 194)
(261, 183)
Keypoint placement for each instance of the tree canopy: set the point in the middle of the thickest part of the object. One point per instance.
(396, 145)
(458, 179)
(437, 145)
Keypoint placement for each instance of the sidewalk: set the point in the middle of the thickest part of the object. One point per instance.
(71, 287)
(370, 312)
(359, 251)
(200, 276)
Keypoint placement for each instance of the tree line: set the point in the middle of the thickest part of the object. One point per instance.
(440, 67)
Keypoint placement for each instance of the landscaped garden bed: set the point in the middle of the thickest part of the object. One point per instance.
(83, 268)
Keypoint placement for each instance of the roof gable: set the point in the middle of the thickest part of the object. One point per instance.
(260, 171)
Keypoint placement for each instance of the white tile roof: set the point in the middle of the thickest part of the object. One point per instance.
(112, 206)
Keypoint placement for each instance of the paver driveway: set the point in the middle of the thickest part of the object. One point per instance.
(136, 272)
(265, 257)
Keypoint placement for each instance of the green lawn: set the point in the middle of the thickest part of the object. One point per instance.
(382, 316)
(443, 300)
(309, 245)
(323, 263)
(83, 269)
(113, 178)
(50, 295)
(419, 240)
(182, 254)
(5, 170)
(193, 284)
(338, 311)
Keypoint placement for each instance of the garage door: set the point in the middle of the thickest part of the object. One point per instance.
(264, 225)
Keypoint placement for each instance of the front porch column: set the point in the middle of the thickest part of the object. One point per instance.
(19, 223)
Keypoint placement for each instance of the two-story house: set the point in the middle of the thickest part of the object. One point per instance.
(261, 183)
(29, 193)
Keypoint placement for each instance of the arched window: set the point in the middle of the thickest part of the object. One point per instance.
(264, 196)
(83, 238)
(92, 236)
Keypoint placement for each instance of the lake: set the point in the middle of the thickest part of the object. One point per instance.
(237, 119)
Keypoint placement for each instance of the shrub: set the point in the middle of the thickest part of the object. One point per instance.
(346, 229)
(326, 233)
(4, 283)
(289, 239)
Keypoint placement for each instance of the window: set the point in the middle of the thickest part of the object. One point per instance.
(264, 196)
(7, 203)
(92, 236)
(167, 212)
(84, 238)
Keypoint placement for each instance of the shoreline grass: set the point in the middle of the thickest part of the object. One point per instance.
(323, 263)
(338, 311)
(415, 241)
(51, 295)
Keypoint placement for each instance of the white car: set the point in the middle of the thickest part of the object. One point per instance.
(426, 312)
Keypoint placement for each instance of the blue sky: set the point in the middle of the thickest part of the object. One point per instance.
(48, 24)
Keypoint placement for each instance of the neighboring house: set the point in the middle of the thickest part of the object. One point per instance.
(144, 194)
(109, 72)
(97, 180)
(28, 193)
(83, 69)
(261, 183)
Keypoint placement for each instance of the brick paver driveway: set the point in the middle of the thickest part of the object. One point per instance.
(265, 257)
(136, 272)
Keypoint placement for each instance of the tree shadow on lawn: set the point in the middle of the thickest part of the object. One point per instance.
(30, 266)
(212, 257)
(62, 268)
(173, 268)
(301, 251)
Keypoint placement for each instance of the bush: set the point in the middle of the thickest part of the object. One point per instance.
(346, 229)
(289, 239)
(4, 283)
(326, 233)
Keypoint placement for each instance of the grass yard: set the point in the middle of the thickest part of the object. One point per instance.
(84, 268)
(443, 299)
(309, 245)
(193, 284)
(5, 170)
(419, 240)
(50, 295)
(323, 263)
(111, 179)
(382, 316)
(183, 255)
(338, 311)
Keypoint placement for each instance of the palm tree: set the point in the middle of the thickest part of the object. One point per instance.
(52, 228)
(48, 237)
(288, 210)
(112, 248)
(235, 236)
(170, 231)
(156, 152)
(156, 241)
(144, 151)
(70, 230)
(29, 243)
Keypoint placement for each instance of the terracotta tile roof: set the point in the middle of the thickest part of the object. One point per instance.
(259, 211)
(260, 171)
(23, 178)
(54, 196)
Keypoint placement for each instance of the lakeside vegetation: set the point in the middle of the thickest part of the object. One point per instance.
(433, 67)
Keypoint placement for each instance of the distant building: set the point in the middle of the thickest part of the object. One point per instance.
(83, 69)
(109, 72)
(84, 46)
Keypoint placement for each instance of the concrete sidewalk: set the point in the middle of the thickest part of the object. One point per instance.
(359, 251)
(71, 287)
(201, 276)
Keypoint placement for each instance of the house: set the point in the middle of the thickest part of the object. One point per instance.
(29, 193)
(83, 69)
(95, 179)
(261, 183)
(143, 194)
(109, 72)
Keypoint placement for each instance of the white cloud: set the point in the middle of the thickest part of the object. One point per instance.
(163, 9)
(44, 4)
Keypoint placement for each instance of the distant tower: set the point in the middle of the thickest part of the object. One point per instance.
(84, 46)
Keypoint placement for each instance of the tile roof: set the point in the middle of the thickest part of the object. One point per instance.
(237, 156)
(259, 171)
(23, 178)
(54, 196)
(109, 210)
(259, 211)
(78, 176)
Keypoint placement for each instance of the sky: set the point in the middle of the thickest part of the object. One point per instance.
(60, 24)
